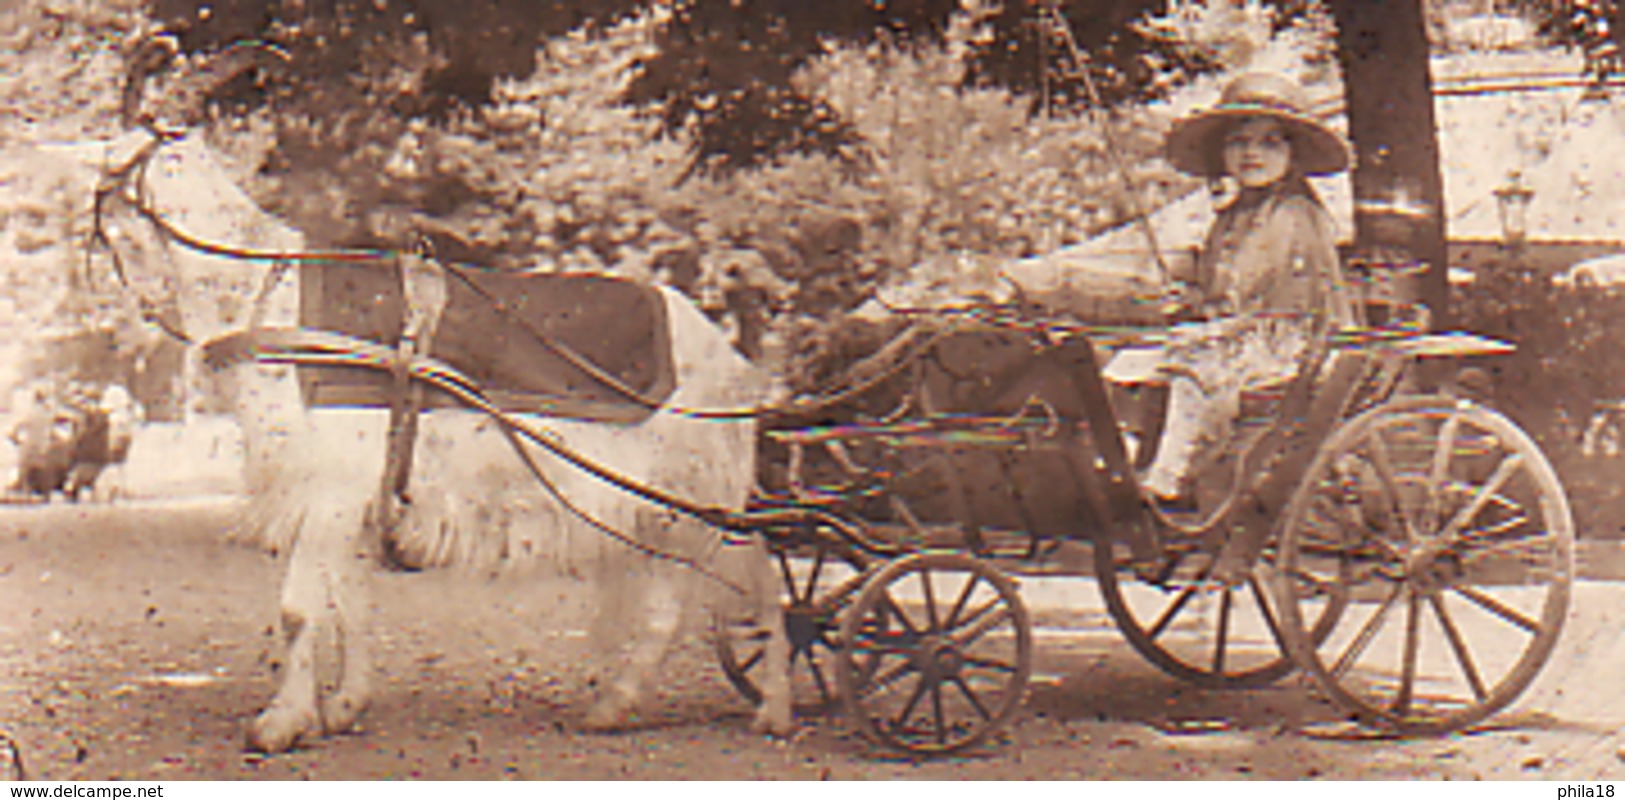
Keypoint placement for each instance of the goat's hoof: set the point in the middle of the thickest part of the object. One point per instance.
(777, 724)
(279, 728)
(609, 715)
(342, 710)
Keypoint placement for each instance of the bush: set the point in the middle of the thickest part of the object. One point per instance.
(944, 175)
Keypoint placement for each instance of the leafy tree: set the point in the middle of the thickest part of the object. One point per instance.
(1383, 50)
(725, 64)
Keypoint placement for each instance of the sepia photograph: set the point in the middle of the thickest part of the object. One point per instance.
(1061, 390)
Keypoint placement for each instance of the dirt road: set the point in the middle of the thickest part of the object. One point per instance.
(134, 642)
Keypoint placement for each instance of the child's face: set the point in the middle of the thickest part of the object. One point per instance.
(1257, 152)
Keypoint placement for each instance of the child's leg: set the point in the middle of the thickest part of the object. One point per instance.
(1180, 432)
(1204, 395)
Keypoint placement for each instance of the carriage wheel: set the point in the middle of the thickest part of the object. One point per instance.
(1449, 533)
(938, 648)
(816, 593)
(1212, 635)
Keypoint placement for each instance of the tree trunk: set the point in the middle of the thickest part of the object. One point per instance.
(1389, 91)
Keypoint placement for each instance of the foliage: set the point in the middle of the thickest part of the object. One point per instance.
(71, 46)
(724, 65)
(948, 176)
(554, 170)
(556, 173)
(1564, 337)
(1592, 26)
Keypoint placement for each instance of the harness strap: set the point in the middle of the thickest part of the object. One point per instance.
(318, 347)
(325, 348)
(423, 286)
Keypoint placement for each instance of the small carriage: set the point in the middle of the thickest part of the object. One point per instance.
(1411, 553)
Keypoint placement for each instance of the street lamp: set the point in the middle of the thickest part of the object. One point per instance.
(1512, 201)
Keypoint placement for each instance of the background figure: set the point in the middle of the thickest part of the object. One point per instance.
(1269, 271)
(44, 436)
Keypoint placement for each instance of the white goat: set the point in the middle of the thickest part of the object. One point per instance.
(315, 473)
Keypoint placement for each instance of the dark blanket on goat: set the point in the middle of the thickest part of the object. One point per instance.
(532, 341)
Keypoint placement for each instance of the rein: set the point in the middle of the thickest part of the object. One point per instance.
(283, 260)
(302, 346)
(326, 348)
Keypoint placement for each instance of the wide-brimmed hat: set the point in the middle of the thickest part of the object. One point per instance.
(1194, 141)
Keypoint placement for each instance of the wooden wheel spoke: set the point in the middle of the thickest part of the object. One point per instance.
(1407, 664)
(901, 720)
(1342, 517)
(1347, 524)
(1473, 550)
(1452, 497)
(986, 662)
(825, 640)
(959, 604)
(891, 606)
(1503, 472)
(818, 678)
(812, 577)
(973, 631)
(1320, 585)
(970, 697)
(1265, 611)
(930, 592)
(1222, 636)
(1497, 529)
(1382, 462)
(1458, 645)
(1439, 474)
(749, 631)
(750, 663)
(936, 712)
(1498, 608)
(882, 679)
(789, 578)
(877, 690)
(838, 597)
(1172, 610)
(1367, 632)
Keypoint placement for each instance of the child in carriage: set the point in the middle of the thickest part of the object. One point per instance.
(1268, 274)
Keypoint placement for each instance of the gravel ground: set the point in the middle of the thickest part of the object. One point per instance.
(140, 641)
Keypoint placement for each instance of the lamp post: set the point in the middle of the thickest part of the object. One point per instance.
(1512, 201)
(1513, 294)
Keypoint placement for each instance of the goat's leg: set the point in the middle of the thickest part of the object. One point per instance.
(292, 714)
(348, 585)
(650, 610)
(322, 557)
(773, 716)
(651, 629)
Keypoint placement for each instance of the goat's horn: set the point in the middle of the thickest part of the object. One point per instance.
(182, 104)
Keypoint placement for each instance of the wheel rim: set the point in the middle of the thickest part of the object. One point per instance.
(938, 653)
(1211, 635)
(816, 591)
(1451, 535)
